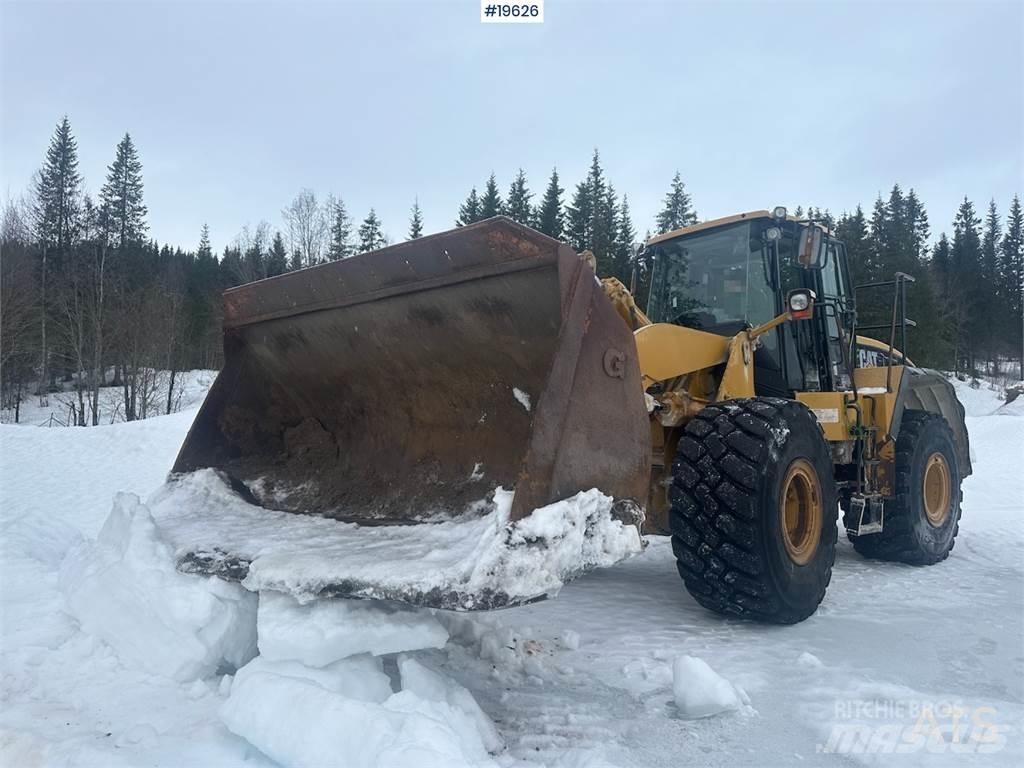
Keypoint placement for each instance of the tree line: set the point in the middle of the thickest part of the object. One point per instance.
(90, 300)
(967, 290)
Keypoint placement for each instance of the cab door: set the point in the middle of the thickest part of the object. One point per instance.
(835, 312)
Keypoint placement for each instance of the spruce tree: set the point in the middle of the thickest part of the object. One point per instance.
(586, 215)
(277, 256)
(940, 263)
(490, 203)
(894, 244)
(917, 221)
(517, 206)
(964, 286)
(993, 312)
(205, 251)
(231, 267)
(58, 191)
(624, 242)
(606, 233)
(990, 246)
(121, 197)
(549, 213)
(254, 262)
(416, 221)
(371, 233)
(1011, 278)
(678, 210)
(966, 247)
(878, 240)
(57, 219)
(341, 230)
(853, 231)
(469, 211)
(579, 218)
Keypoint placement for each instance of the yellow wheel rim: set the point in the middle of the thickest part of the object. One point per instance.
(936, 489)
(801, 511)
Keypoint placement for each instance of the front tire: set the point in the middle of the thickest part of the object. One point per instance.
(922, 519)
(753, 510)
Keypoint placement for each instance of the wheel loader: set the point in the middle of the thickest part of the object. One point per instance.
(734, 412)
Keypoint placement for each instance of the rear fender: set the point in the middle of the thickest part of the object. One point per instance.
(923, 389)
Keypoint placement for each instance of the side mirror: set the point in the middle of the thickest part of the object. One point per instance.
(811, 252)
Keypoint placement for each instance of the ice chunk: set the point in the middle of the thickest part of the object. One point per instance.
(570, 640)
(700, 691)
(324, 631)
(124, 588)
(359, 677)
(809, 660)
(298, 722)
(433, 686)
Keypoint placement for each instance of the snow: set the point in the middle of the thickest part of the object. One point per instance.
(316, 696)
(124, 589)
(809, 661)
(299, 722)
(891, 642)
(522, 397)
(360, 677)
(190, 387)
(699, 691)
(325, 631)
(433, 686)
(481, 557)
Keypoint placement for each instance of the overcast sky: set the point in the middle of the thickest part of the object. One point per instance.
(236, 106)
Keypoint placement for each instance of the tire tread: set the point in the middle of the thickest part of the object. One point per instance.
(714, 507)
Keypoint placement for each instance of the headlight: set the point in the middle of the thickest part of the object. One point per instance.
(779, 212)
(773, 233)
(798, 302)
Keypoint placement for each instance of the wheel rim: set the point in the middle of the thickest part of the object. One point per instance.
(936, 489)
(801, 511)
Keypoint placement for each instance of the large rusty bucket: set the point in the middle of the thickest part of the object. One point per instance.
(403, 385)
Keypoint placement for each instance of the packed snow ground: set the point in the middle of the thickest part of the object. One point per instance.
(598, 676)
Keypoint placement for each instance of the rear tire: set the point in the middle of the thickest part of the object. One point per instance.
(753, 510)
(922, 520)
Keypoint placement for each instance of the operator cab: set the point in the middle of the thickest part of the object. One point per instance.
(733, 273)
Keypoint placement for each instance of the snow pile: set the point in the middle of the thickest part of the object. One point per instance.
(1013, 408)
(433, 686)
(124, 589)
(299, 722)
(474, 562)
(360, 677)
(320, 696)
(321, 632)
(701, 692)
